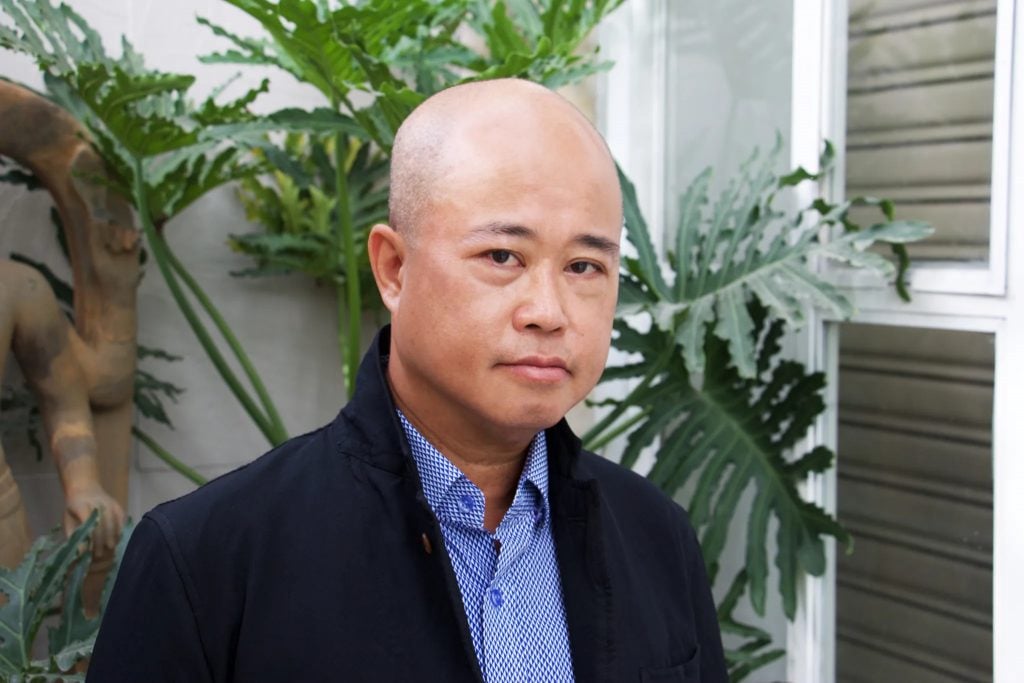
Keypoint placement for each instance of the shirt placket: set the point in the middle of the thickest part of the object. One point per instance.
(503, 600)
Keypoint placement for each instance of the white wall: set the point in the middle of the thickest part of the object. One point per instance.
(286, 324)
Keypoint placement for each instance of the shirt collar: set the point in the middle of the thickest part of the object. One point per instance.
(438, 474)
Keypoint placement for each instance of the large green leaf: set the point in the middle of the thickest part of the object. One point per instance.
(74, 635)
(742, 247)
(131, 112)
(343, 49)
(253, 131)
(298, 216)
(55, 36)
(397, 52)
(32, 589)
(730, 436)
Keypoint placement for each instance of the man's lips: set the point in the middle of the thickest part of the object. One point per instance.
(546, 369)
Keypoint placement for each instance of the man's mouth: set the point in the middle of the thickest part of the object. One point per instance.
(544, 369)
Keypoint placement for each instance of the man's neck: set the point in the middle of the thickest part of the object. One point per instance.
(494, 466)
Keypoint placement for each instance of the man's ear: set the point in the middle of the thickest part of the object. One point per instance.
(387, 252)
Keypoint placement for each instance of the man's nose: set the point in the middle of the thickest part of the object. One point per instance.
(541, 305)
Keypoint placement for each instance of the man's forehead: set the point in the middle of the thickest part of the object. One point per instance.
(500, 140)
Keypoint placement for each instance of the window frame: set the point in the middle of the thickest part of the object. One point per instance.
(982, 298)
(950, 277)
(988, 297)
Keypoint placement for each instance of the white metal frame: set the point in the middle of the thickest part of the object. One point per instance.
(985, 298)
(983, 278)
(818, 113)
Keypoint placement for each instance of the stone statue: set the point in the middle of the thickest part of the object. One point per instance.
(83, 376)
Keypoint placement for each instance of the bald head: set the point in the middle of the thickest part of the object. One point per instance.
(450, 129)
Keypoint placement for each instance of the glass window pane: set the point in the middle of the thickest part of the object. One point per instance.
(729, 76)
(919, 116)
(914, 600)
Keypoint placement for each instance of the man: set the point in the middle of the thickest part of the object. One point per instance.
(446, 526)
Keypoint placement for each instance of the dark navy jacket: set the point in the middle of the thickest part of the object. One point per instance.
(321, 561)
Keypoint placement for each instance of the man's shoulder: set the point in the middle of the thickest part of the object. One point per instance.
(262, 487)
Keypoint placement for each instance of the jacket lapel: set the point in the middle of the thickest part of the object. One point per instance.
(443, 574)
(586, 587)
(383, 444)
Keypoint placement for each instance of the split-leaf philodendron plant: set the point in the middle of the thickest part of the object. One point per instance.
(709, 386)
(708, 390)
(47, 585)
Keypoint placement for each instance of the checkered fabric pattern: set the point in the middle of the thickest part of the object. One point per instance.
(509, 580)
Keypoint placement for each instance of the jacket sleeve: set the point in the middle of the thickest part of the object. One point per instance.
(149, 630)
(712, 657)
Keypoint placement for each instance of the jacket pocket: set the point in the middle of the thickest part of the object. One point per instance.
(687, 672)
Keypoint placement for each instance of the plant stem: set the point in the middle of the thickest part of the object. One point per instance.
(175, 464)
(348, 339)
(160, 255)
(235, 345)
(624, 426)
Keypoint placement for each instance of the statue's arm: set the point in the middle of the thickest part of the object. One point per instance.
(41, 345)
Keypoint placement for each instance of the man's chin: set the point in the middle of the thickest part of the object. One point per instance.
(533, 418)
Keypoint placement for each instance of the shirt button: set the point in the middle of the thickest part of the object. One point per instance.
(466, 502)
(497, 599)
(538, 514)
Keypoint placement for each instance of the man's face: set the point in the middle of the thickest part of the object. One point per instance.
(510, 282)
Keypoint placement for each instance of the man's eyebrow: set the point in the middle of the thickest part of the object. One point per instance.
(599, 243)
(588, 240)
(506, 229)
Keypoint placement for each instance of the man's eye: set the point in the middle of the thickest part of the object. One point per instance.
(501, 256)
(584, 267)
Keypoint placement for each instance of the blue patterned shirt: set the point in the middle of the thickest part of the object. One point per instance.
(509, 580)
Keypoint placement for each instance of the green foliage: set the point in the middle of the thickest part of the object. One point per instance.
(398, 52)
(710, 384)
(540, 39)
(374, 62)
(49, 581)
(297, 214)
(150, 391)
(731, 433)
(148, 133)
(131, 112)
(756, 650)
(744, 246)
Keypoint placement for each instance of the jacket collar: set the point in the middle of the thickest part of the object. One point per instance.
(372, 412)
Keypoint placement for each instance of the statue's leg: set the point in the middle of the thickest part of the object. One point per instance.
(14, 531)
(113, 430)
